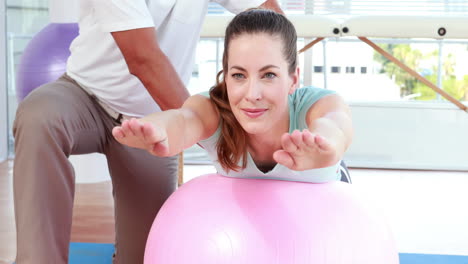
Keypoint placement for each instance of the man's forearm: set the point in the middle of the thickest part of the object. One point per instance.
(161, 80)
(148, 63)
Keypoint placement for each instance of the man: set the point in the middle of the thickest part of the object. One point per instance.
(132, 57)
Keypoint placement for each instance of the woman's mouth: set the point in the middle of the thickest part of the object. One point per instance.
(254, 112)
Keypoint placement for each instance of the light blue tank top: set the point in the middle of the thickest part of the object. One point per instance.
(299, 103)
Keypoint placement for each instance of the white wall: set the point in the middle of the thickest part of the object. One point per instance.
(409, 135)
(61, 11)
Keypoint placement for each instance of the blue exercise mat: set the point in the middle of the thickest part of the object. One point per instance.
(408, 258)
(93, 253)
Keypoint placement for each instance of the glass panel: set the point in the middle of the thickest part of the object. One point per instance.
(24, 19)
(455, 70)
(421, 57)
(300, 44)
(359, 73)
(3, 87)
(440, 63)
(208, 62)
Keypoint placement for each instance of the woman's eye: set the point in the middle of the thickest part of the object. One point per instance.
(237, 76)
(269, 75)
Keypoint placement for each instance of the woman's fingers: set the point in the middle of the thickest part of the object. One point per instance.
(148, 133)
(160, 149)
(136, 127)
(287, 143)
(118, 133)
(296, 137)
(308, 138)
(316, 141)
(304, 150)
(126, 129)
(137, 134)
(284, 158)
(300, 141)
(323, 143)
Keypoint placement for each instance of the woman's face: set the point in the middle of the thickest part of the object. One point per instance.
(258, 82)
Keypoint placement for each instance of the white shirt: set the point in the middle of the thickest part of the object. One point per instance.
(97, 64)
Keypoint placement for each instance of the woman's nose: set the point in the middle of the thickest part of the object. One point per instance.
(254, 91)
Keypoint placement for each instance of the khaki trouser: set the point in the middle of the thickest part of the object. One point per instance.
(59, 119)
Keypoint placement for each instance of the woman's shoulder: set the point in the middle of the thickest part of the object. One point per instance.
(204, 94)
(305, 97)
(311, 91)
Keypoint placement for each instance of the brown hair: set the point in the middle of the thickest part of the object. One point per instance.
(232, 143)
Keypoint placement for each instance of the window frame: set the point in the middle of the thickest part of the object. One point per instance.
(3, 87)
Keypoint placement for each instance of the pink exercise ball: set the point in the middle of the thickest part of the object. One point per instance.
(216, 219)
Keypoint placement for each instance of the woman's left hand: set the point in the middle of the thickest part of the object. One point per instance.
(305, 150)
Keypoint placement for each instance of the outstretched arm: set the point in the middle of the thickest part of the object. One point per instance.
(324, 143)
(169, 132)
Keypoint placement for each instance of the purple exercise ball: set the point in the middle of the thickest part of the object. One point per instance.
(45, 57)
(215, 219)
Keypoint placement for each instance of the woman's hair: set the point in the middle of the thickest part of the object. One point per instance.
(232, 143)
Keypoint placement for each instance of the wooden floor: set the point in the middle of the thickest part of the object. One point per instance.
(7, 234)
(92, 214)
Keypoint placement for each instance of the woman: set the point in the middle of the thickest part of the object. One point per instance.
(255, 123)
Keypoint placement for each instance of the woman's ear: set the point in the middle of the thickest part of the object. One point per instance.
(294, 81)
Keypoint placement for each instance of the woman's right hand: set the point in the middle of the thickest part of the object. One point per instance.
(137, 133)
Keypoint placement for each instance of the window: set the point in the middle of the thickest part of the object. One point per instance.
(318, 69)
(24, 19)
(335, 69)
(3, 90)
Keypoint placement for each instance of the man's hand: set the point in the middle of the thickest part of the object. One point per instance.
(272, 5)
